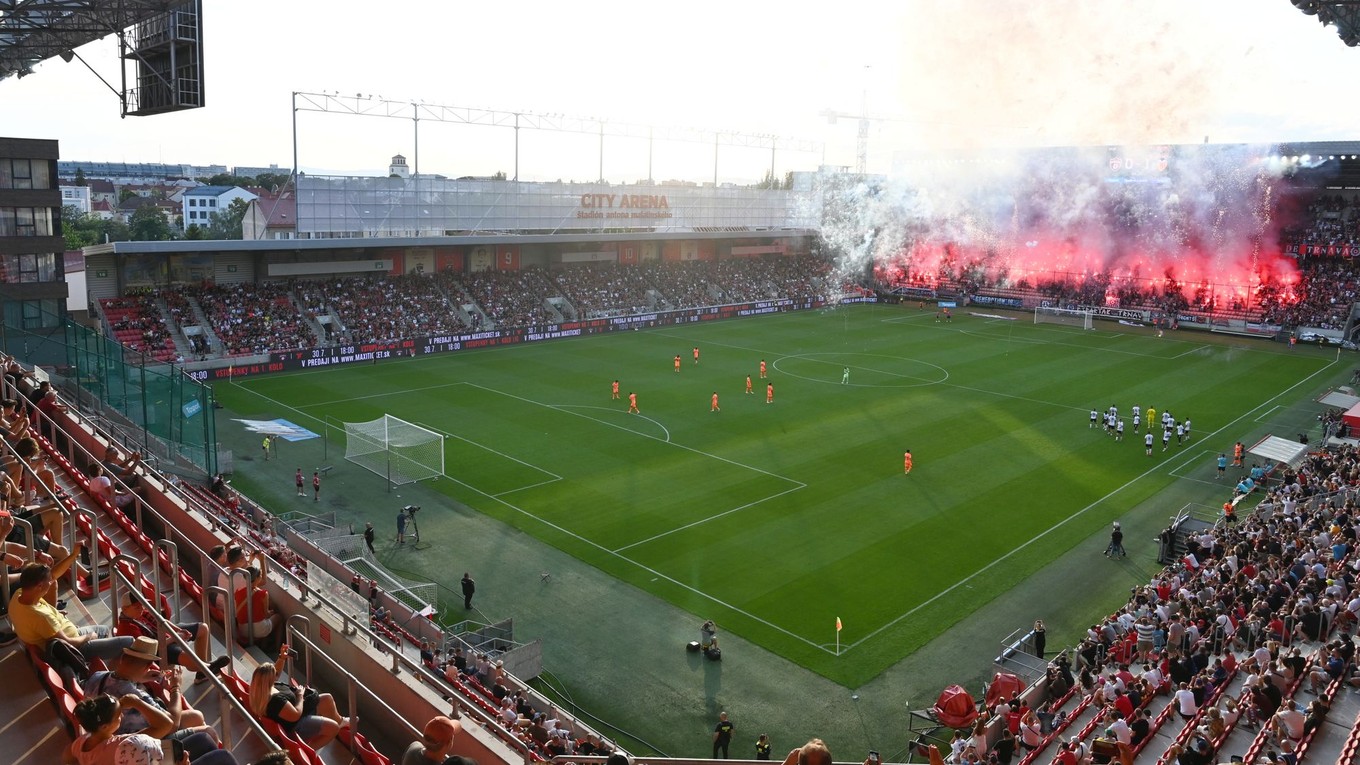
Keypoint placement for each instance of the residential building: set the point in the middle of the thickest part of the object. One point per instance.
(271, 217)
(77, 197)
(201, 203)
(32, 284)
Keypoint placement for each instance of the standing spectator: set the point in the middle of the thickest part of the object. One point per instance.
(708, 632)
(401, 526)
(722, 732)
(1040, 638)
(469, 587)
(265, 444)
(368, 537)
(298, 479)
(763, 747)
(316, 486)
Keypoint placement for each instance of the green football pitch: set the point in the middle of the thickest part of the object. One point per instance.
(778, 519)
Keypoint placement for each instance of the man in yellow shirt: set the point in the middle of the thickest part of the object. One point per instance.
(37, 622)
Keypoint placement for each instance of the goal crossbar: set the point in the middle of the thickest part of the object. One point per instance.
(1072, 317)
(400, 451)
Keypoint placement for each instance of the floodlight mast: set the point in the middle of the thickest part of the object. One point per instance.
(369, 105)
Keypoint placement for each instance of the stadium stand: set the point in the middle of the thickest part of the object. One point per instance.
(1202, 662)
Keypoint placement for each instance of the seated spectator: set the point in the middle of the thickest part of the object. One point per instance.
(128, 677)
(256, 618)
(436, 744)
(102, 718)
(133, 620)
(103, 488)
(303, 712)
(40, 624)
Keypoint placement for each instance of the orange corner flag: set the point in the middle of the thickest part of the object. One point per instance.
(838, 624)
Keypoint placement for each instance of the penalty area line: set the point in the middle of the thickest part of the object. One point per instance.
(1160, 466)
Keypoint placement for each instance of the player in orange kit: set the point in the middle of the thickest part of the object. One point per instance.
(748, 384)
(677, 362)
(769, 393)
(715, 407)
(614, 391)
(906, 462)
(632, 404)
(696, 354)
(762, 369)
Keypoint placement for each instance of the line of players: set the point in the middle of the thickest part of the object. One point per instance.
(1114, 426)
(713, 407)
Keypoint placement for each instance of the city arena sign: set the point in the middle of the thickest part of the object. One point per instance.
(651, 206)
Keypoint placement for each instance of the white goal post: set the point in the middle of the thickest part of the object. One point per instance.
(400, 451)
(1072, 317)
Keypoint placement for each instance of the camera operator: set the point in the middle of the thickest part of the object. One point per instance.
(404, 516)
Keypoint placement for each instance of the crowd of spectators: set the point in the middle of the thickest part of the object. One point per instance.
(253, 318)
(512, 298)
(599, 290)
(376, 309)
(1258, 598)
(135, 321)
(1331, 222)
(1323, 299)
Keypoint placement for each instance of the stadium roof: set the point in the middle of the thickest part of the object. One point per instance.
(33, 31)
(184, 246)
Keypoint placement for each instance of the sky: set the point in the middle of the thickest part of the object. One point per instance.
(937, 75)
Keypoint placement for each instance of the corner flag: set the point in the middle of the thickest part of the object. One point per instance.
(838, 624)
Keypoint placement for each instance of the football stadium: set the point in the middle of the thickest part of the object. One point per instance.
(1041, 454)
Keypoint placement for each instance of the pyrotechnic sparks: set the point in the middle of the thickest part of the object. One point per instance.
(1180, 227)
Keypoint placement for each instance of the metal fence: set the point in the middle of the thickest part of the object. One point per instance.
(172, 413)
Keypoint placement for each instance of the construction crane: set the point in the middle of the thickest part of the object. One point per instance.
(862, 134)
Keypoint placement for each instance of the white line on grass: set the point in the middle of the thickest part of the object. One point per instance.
(1161, 465)
(648, 569)
(1267, 414)
(597, 545)
(564, 410)
(526, 488)
(1194, 457)
(447, 434)
(615, 410)
(701, 521)
(1192, 350)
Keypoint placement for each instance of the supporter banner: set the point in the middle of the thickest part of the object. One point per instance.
(1320, 250)
(420, 260)
(1005, 302)
(481, 258)
(628, 253)
(371, 353)
(507, 257)
(916, 292)
(588, 257)
(1258, 328)
(448, 259)
(1116, 313)
(1186, 318)
(751, 251)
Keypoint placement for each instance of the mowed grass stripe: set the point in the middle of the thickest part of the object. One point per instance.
(1003, 453)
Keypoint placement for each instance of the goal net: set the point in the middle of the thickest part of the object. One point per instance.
(400, 451)
(1069, 316)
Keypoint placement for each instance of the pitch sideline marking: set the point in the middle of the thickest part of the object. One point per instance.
(597, 545)
(701, 521)
(1267, 413)
(1184, 463)
(1064, 521)
(1192, 350)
